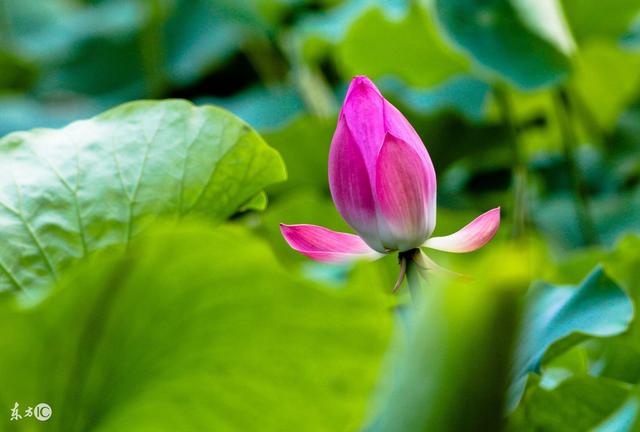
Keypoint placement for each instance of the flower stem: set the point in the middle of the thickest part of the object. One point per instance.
(415, 280)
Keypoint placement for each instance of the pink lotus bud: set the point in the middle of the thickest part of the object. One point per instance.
(380, 174)
(384, 185)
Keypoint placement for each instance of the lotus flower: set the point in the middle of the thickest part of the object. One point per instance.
(383, 184)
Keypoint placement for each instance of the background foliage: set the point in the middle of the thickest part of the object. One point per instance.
(144, 283)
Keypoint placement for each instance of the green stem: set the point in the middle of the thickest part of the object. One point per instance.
(310, 81)
(569, 141)
(265, 59)
(519, 166)
(152, 50)
(585, 116)
(415, 280)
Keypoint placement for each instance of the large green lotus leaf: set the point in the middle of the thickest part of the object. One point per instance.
(600, 19)
(577, 404)
(522, 41)
(410, 48)
(558, 317)
(454, 358)
(598, 65)
(95, 183)
(194, 329)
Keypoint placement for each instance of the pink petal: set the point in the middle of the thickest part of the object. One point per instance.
(405, 191)
(473, 236)
(350, 186)
(396, 124)
(363, 112)
(322, 244)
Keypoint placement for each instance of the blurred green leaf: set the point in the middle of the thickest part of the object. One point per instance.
(194, 330)
(258, 202)
(626, 419)
(631, 39)
(96, 183)
(462, 94)
(200, 34)
(22, 112)
(572, 362)
(534, 112)
(90, 71)
(522, 41)
(454, 323)
(80, 49)
(318, 33)
(304, 145)
(16, 73)
(619, 357)
(571, 268)
(614, 215)
(598, 65)
(577, 404)
(120, 50)
(268, 109)
(623, 264)
(410, 49)
(565, 315)
(598, 19)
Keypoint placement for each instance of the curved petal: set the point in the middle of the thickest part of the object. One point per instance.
(363, 112)
(350, 186)
(404, 191)
(397, 125)
(473, 236)
(322, 244)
